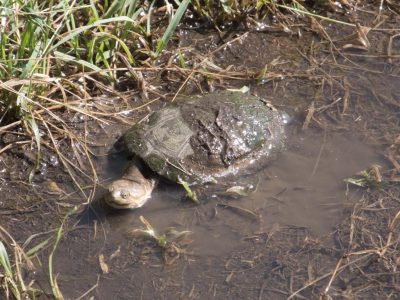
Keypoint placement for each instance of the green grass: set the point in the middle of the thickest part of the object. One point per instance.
(53, 279)
(13, 261)
(42, 42)
(7, 278)
(167, 241)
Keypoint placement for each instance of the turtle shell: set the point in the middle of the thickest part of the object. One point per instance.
(203, 138)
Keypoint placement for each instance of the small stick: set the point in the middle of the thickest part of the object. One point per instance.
(319, 156)
(245, 211)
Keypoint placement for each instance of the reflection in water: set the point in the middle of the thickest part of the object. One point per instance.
(309, 180)
(304, 187)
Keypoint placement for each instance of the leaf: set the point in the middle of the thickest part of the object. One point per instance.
(358, 182)
(239, 190)
(189, 193)
(4, 261)
(121, 42)
(244, 89)
(30, 66)
(103, 266)
(69, 58)
(38, 247)
(79, 30)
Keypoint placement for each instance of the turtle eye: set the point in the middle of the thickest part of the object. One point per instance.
(125, 194)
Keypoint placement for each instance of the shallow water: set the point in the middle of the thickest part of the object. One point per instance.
(304, 187)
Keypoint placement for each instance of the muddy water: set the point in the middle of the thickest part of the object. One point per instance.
(304, 187)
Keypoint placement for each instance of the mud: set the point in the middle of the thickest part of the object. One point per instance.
(289, 233)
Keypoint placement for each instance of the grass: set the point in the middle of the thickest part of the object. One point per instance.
(53, 51)
(11, 279)
(44, 42)
(53, 279)
(189, 193)
(168, 242)
(48, 48)
(7, 278)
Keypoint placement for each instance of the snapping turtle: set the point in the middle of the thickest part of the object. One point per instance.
(200, 139)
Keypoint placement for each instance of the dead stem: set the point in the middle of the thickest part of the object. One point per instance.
(200, 65)
(19, 256)
(321, 150)
(310, 114)
(95, 286)
(63, 158)
(338, 270)
(390, 47)
(9, 126)
(241, 210)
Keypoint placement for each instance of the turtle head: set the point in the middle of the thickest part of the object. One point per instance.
(127, 193)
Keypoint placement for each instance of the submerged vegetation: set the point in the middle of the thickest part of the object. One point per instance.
(69, 69)
(169, 242)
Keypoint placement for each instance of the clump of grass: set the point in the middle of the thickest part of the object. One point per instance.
(221, 11)
(12, 264)
(7, 278)
(224, 13)
(44, 42)
(11, 279)
(369, 178)
(48, 47)
(168, 241)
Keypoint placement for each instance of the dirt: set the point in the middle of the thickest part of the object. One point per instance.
(303, 232)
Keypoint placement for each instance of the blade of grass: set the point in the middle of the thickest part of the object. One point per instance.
(53, 284)
(307, 13)
(5, 263)
(38, 247)
(79, 30)
(150, 11)
(121, 42)
(69, 58)
(172, 26)
(70, 23)
(115, 6)
(132, 13)
(35, 129)
(30, 66)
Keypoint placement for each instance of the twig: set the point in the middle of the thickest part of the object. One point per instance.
(321, 149)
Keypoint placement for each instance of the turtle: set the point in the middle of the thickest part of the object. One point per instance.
(200, 139)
